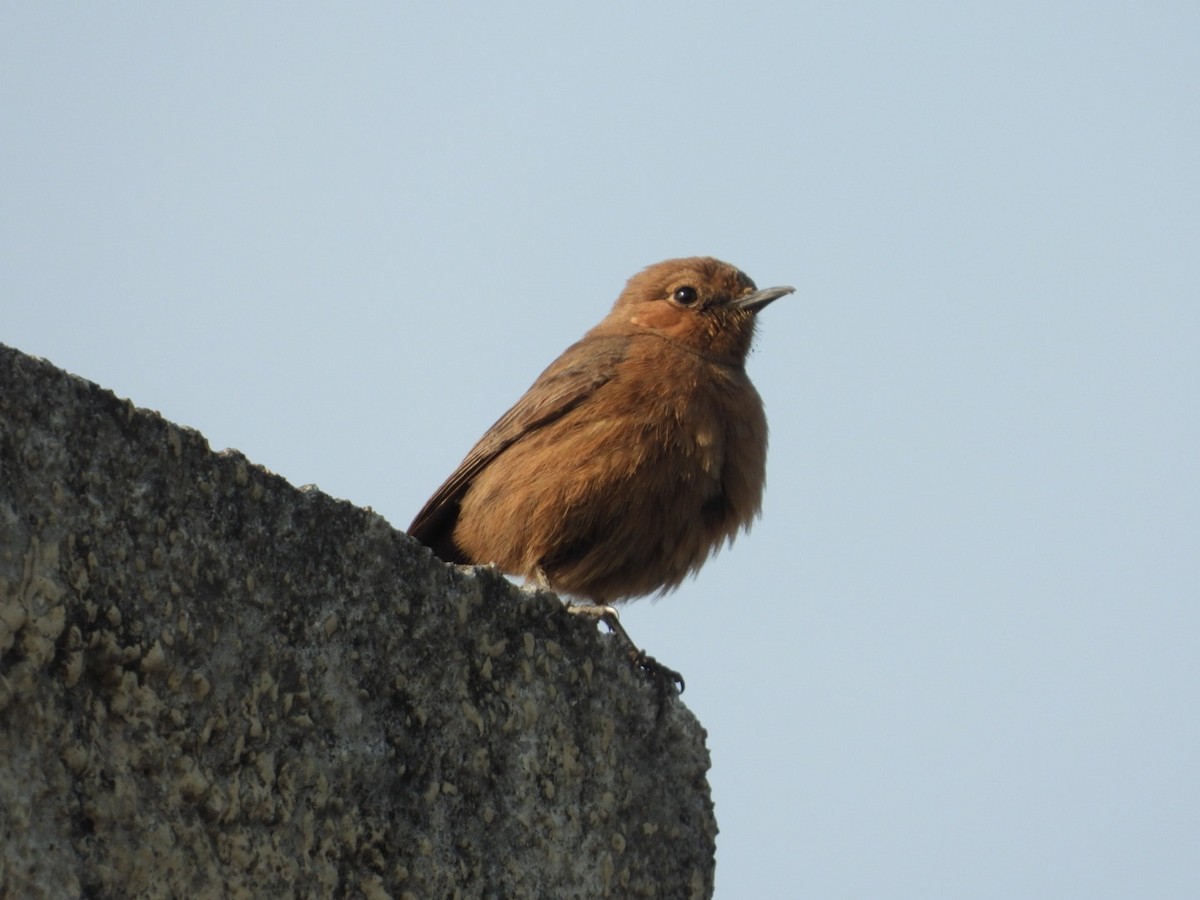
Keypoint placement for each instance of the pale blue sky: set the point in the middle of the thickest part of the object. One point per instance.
(957, 657)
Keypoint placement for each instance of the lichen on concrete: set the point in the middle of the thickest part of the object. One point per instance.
(215, 684)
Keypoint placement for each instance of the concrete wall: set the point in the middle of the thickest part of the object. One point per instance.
(215, 684)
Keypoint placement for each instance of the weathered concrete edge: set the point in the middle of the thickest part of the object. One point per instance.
(63, 648)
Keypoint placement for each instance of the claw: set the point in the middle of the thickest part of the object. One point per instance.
(664, 676)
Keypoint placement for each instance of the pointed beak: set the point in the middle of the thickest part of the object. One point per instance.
(757, 300)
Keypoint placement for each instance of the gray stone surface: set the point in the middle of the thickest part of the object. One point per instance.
(215, 684)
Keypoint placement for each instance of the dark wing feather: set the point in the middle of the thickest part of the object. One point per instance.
(568, 381)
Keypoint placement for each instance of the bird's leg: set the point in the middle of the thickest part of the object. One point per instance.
(541, 579)
(640, 658)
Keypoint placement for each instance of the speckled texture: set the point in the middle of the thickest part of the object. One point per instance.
(213, 684)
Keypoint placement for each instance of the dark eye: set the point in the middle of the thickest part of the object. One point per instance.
(685, 296)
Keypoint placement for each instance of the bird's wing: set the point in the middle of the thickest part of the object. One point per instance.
(568, 381)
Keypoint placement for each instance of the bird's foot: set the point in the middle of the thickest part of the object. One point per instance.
(667, 679)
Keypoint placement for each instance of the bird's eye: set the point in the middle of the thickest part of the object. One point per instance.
(685, 296)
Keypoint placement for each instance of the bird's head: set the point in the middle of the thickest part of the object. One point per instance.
(702, 303)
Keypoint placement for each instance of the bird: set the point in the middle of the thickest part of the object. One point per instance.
(635, 455)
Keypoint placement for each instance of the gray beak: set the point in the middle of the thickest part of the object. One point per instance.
(757, 300)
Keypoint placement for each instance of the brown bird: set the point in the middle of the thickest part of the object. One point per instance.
(636, 454)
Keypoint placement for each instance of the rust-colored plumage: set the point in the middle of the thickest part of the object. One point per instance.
(636, 454)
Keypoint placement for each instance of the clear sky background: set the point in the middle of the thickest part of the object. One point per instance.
(958, 655)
